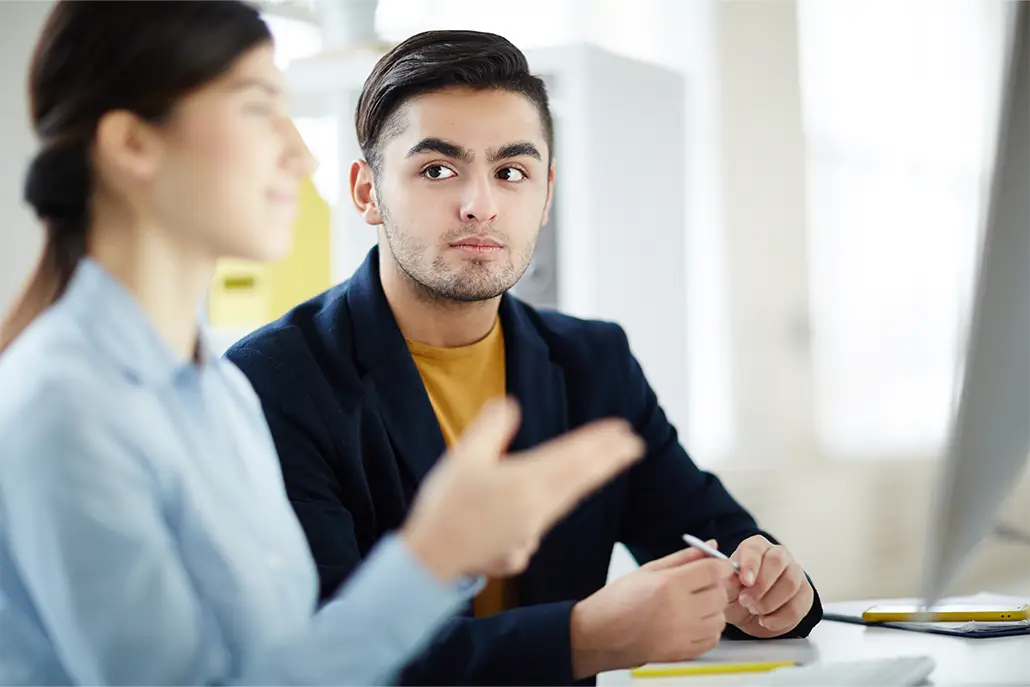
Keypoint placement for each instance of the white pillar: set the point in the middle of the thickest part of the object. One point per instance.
(765, 217)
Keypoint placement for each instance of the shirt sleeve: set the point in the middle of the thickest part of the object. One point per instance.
(87, 533)
(386, 613)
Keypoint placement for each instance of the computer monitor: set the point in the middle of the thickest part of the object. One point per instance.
(989, 442)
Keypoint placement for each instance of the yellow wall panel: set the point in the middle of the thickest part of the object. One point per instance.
(246, 295)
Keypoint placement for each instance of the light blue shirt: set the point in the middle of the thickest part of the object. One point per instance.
(145, 533)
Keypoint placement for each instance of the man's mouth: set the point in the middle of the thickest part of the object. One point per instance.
(478, 244)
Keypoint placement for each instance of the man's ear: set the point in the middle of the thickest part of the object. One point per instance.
(550, 193)
(362, 192)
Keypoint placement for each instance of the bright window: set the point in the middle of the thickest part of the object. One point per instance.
(897, 101)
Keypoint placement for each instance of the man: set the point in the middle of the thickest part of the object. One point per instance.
(365, 385)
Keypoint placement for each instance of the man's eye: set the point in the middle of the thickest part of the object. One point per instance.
(511, 174)
(437, 172)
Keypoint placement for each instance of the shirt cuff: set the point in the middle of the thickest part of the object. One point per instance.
(393, 547)
(396, 576)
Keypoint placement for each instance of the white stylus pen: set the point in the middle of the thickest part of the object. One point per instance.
(714, 553)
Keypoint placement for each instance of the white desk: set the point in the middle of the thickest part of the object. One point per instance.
(999, 661)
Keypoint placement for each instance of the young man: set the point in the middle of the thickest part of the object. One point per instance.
(365, 385)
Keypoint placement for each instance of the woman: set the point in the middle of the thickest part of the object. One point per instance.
(145, 535)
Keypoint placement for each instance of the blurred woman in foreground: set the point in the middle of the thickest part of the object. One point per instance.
(145, 534)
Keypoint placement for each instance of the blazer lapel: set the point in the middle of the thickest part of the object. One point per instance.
(392, 380)
(536, 382)
(539, 385)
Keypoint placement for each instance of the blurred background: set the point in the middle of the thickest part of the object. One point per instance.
(778, 199)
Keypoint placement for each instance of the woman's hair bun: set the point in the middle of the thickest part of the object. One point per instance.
(59, 183)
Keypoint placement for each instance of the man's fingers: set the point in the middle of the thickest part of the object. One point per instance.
(737, 614)
(709, 603)
(733, 588)
(783, 590)
(488, 436)
(703, 646)
(700, 576)
(749, 556)
(673, 560)
(789, 615)
(775, 562)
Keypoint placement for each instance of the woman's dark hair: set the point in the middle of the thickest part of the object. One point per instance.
(94, 57)
(434, 60)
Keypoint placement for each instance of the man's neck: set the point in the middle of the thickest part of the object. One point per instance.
(428, 319)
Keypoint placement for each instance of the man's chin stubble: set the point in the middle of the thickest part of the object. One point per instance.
(450, 294)
(465, 288)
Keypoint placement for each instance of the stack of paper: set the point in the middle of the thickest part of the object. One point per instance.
(966, 628)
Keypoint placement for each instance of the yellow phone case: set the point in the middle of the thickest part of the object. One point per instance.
(884, 614)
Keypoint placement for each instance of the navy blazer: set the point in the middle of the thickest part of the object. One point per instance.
(356, 433)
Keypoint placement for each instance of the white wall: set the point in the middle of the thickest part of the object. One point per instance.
(20, 235)
(749, 373)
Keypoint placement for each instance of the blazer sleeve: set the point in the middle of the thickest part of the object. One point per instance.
(669, 495)
(523, 646)
(293, 410)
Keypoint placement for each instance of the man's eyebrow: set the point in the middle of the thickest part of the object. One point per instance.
(445, 148)
(520, 149)
(457, 152)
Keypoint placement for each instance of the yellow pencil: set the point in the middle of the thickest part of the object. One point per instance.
(702, 668)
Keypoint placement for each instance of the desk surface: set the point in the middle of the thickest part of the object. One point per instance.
(960, 661)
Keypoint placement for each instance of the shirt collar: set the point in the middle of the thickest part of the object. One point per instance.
(114, 321)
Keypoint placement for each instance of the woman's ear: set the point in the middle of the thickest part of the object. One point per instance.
(126, 147)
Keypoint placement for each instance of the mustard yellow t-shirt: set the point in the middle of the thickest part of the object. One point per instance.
(459, 381)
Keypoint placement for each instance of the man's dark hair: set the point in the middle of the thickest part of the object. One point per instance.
(433, 61)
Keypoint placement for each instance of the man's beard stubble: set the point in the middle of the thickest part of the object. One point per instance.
(437, 283)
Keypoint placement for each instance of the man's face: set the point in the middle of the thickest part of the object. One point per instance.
(462, 191)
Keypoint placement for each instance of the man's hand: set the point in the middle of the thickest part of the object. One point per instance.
(772, 594)
(671, 609)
